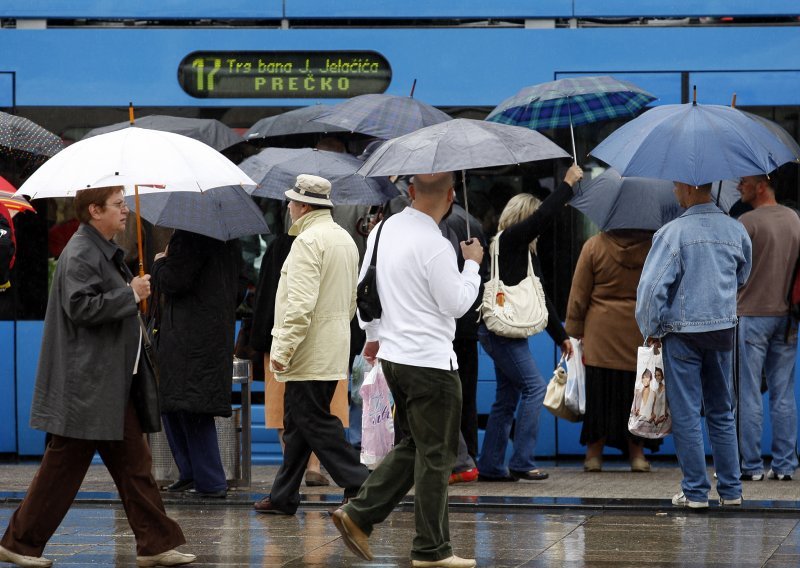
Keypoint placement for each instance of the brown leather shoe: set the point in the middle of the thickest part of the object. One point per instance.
(266, 506)
(352, 535)
(316, 479)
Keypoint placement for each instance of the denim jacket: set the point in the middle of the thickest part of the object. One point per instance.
(692, 273)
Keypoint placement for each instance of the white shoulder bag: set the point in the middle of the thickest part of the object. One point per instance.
(513, 311)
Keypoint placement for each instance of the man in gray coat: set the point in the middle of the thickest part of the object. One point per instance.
(90, 352)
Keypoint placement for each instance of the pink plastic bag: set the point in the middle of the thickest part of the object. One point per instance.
(377, 425)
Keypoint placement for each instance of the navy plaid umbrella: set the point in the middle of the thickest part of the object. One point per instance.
(222, 213)
(569, 102)
(22, 138)
(383, 116)
(276, 169)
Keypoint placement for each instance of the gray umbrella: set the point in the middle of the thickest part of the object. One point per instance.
(222, 213)
(297, 121)
(207, 130)
(383, 116)
(276, 169)
(615, 202)
(460, 144)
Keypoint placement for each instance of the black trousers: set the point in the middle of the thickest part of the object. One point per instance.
(310, 427)
(466, 350)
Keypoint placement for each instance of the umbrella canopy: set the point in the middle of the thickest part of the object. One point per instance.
(22, 138)
(152, 160)
(12, 202)
(579, 100)
(778, 131)
(297, 121)
(207, 130)
(222, 213)
(615, 202)
(694, 144)
(382, 116)
(459, 144)
(277, 169)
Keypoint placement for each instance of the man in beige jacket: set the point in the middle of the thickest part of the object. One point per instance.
(315, 302)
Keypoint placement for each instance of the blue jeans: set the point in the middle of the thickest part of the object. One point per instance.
(519, 382)
(698, 378)
(763, 345)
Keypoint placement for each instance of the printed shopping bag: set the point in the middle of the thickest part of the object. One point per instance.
(650, 417)
(377, 425)
(575, 396)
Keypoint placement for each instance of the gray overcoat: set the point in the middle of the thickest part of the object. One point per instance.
(90, 343)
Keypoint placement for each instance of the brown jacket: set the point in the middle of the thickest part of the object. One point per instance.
(602, 299)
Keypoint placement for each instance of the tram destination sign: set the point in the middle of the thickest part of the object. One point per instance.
(283, 74)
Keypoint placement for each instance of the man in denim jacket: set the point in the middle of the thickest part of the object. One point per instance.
(686, 303)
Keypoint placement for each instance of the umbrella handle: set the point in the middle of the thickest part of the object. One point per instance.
(143, 303)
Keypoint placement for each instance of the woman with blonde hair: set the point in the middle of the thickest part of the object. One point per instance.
(519, 382)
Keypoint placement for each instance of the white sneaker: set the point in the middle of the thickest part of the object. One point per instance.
(452, 562)
(779, 476)
(730, 502)
(681, 500)
(21, 560)
(752, 477)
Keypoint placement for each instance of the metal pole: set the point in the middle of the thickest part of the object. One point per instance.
(466, 203)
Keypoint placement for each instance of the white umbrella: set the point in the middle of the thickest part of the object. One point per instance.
(146, 160)
(153, 160)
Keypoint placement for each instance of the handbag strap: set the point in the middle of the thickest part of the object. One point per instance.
(145, 337)
(374, 258)
(495, 250)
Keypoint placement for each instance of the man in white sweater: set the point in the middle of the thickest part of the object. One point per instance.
(422, 292)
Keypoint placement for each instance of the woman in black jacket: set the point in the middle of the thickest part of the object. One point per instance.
(519, 382)
(197, 278)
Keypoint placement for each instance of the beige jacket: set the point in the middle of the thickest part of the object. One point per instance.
(602, 300)
(315, 302)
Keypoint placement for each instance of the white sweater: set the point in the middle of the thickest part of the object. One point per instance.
(421, 292)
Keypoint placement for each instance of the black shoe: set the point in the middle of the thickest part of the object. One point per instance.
(180, 485)
(267, 507)
(532, 475)
(506, 478)
(221, 494)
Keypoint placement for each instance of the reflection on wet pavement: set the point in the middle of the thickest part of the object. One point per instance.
(99, 535)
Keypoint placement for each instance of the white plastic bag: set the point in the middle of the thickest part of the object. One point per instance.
(575, 397)
(377, 425)
(555, 395)
(650, 416)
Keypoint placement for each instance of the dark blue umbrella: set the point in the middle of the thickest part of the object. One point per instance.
(222, 213)
(615, 202)
(383, 116)
(694, 144)
(570, 102)
(276, 169)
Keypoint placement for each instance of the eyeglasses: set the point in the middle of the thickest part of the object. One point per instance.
(121, 205)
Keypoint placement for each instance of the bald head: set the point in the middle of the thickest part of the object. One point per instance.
(432, 184)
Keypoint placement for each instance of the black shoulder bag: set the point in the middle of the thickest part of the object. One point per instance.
(367, 299)
(145, 386)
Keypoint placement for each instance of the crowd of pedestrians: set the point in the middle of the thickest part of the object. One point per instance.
(702, 289)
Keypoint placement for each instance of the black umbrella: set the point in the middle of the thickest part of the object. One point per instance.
(207, 130)
(22, 138)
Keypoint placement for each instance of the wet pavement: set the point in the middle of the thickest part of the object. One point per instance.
(615, 518)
